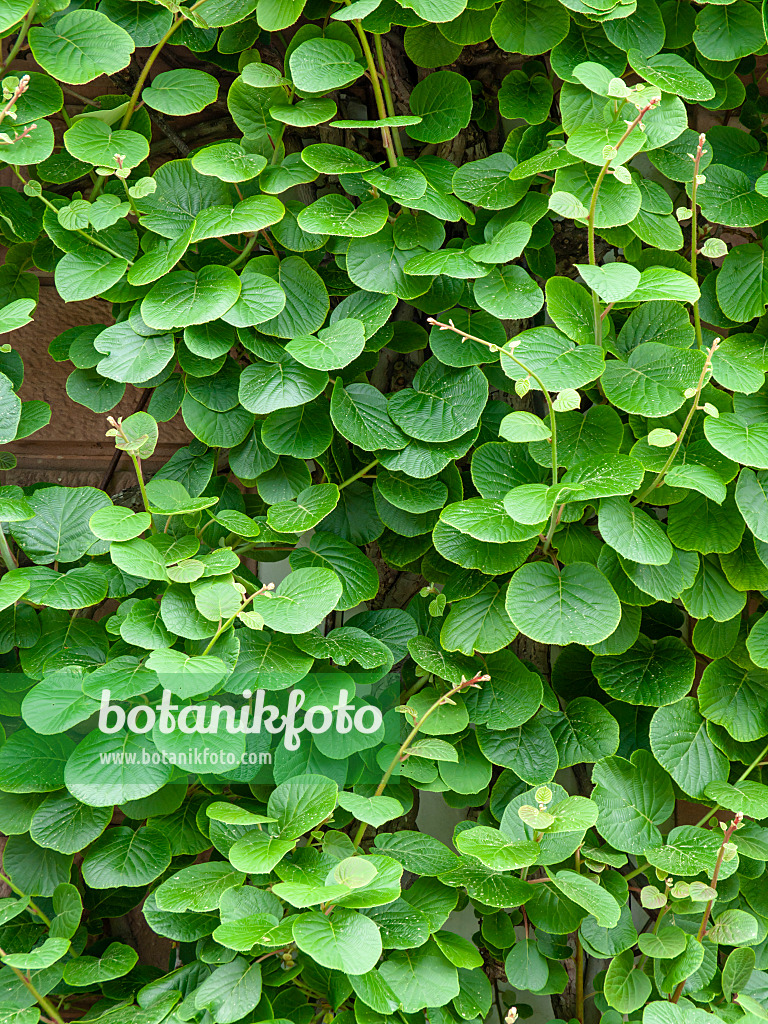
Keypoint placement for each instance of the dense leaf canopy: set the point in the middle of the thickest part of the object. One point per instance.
(463, 305)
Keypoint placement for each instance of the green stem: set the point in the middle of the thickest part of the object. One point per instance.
(28, 19)
(243, 256)
(552, 419)
(77, 231)
(33, 906)
(386, 136)
(398, 758)
(708, 909)
(579, 960)
(638, 871)
(140, 477)
(387, 93)
(5, 551)
(41, 1000)
(763, 753)
(223, 627)
(657, 481)
(694, 239)
(357, 476)
(145, 71)
(591, 217)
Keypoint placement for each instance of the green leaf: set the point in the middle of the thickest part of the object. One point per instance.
(131, 357)
(59, 531)
(550, 355)
(735, 698)
(184, 91)
(665, 944)
(115, 962)
(80, 46)
(495, 850)
(588, 894)
(653, 380)
(509, 293)
(443, 101)
(529, 26)
(737, 970)
(740, 283)
(252, 214)
(183, 298)
(443, 403)
(343, 941)
(100, 771)
(231, 992)
(320, 65)
(586, 732)
(560, 606)
(228, 161)
(733, 928)
(419, 977)
(651, 672)
(681, 744)
(739, 440)
(750, 798)
(727, 35)
(333, 348)
(198, 888)
(626, 989)
(94, 142)
(632, 532)
(633, 797)
(124, 857)
(266, 387)
(672, 74)
(10, 410)
(334, 214)
(728, 197)
(300, 602)
(304, 511)
(526, 966)
(612, 282)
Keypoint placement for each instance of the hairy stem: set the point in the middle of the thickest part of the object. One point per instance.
(508, 350)
(591, 217)
(142, 487)
(579, 960)
(708, 909)
(694, 239)
(658, 479)
(243, 256)
(46, 1005)
(400, 756)
(32, 905)
(77, 231)
(224, 626)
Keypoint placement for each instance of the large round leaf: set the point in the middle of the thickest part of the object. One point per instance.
(444, 403)
(300, 602)
(562, 606)
(80, 46)
(443, 100)
(681, 744)
(343, 940)
(183, 298)
(651, 672)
